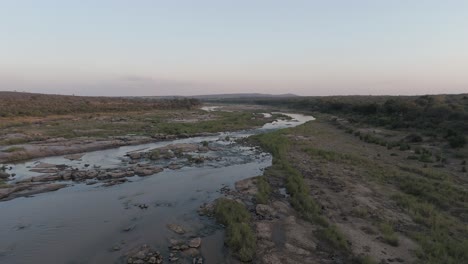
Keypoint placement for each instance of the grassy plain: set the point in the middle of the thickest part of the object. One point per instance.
(355, 190)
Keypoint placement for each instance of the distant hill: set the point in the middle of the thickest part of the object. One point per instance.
(34, 104)
(231, 96)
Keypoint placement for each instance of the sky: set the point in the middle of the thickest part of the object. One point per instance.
(143, 47)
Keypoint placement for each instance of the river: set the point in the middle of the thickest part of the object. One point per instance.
(83, 223)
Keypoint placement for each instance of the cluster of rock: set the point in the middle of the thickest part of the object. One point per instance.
(161, 137)
(145, 255)
(169, 152)
(189, 248)
(179, 250)
(109, 176)
(182, 247)
(4, 175)
(27, 189)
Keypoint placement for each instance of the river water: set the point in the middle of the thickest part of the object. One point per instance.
(83, 223)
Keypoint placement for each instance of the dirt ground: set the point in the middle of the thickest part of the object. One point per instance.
(349, 179)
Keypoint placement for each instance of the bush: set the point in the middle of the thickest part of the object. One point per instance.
(264, 190)
(239, 235)
(414, 138)
(389, 236)
(241, 239)
(456, 141)
(332, 235)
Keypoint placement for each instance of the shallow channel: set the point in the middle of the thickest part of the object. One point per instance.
(83, 223)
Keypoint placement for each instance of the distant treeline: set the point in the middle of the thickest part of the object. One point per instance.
(442, 114)
(30, 104)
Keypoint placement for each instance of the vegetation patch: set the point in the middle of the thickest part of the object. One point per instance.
(332, 235)
(434, 200)
(264, 190)
(13, 149)
(240, 236)
(388, 234)
(298, 190)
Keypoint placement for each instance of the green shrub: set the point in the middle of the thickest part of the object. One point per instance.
(333, 236)
(264, 190)
(389, 236)
(404, 146)
(241, 239)
(228, 211)
(456, 141)
(414, 138)
(239, 235)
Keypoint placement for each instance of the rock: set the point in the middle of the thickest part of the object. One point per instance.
(44, 165)
(246, 186)
(135, 155)
(175, 242)
(143, 206)
(183, 247)
(206, 209)
(281, 207)
(118, 174)
(263, 230)
(193, 252)
(114, 182)
(264, 210)
(203, 149)
(91, 174)
(27, 189)
(146, 171)
(116, 248)
(140, 255)
(74, 156)
(45, 170)
(143, 172)
(129, 228)
(145, 255)
(296, 250)
(174, 166)
(271, 259)
(4, 175)
(46, 178)
(195, 243)
(197, 260)
(176, 228)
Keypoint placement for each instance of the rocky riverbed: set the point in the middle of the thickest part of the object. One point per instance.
(132, 204)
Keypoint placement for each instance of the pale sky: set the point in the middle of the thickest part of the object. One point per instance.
(176, 47)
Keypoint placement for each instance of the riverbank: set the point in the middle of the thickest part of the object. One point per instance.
(356, 201)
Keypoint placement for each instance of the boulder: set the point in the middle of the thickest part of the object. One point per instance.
(74, 156)
(46, 178)
(4, 175)
(135, 155)
(264, 210)
(195, 243)
(176, 228)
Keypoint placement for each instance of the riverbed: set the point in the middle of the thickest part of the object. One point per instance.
(95, 224)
